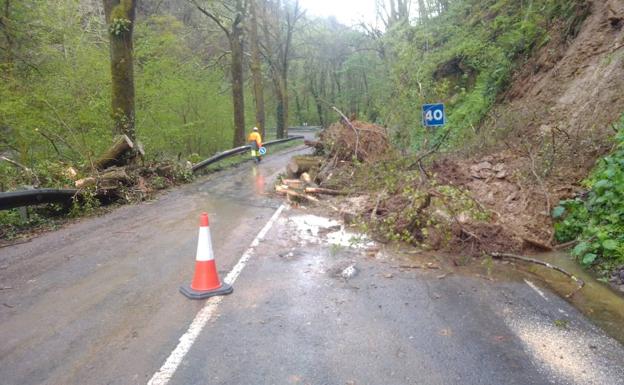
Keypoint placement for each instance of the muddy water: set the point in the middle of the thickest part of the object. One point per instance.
(596, 300)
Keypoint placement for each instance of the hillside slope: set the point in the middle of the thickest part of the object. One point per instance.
(554, 122)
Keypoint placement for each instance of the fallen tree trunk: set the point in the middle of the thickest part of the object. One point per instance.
(108, 180)
(114, 154)
(324, 191)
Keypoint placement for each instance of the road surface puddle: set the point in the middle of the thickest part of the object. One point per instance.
(316, 229)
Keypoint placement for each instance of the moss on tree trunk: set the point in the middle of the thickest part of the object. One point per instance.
(238, 95)
(120, 16)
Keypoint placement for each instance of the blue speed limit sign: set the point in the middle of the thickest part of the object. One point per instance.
(433, 115)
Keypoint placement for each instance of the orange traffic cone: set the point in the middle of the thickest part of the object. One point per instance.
(206, 281)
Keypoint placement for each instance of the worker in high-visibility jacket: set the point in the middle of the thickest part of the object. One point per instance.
(255, 142)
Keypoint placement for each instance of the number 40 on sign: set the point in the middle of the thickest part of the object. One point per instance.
(433, 115)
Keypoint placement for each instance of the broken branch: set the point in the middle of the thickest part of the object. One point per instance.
(348, 123)
(579, 281)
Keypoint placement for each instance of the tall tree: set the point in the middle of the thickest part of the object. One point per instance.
(393, 12)
(7, 48)
(279, 21)
(423, 15)
(120, 16)
(232, 27)
(256, 67)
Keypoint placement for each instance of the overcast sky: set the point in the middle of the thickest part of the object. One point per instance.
(346, 11)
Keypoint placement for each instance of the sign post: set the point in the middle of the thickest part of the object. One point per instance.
(433, 115)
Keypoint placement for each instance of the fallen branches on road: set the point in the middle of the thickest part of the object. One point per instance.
(579, 281)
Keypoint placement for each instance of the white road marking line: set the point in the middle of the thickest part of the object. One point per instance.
(166, 372)
(534, 287)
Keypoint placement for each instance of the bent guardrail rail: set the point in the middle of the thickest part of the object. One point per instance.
(238, 150)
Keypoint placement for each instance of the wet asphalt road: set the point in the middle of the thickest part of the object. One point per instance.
(98, 303)
(296, 320)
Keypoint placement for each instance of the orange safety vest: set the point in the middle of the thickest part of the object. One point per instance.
(255, 137)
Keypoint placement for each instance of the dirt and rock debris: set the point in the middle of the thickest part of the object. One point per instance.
(396, 201)
(534, 149)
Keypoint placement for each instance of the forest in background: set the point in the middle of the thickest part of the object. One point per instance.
(55, 67)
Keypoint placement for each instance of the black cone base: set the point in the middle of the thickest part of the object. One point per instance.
(189, 293)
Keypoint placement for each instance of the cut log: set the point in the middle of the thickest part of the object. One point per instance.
(283, 189)
(71, 173)
(140, 149)
(112, 179)
(166, 170)
(118, 174)
(324, 191)
(300, 164)
(293, 183)
(306, 178)
(85, 182)
(114, 154)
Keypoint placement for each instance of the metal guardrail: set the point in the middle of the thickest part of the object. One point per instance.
(13, 199)
(239, 150)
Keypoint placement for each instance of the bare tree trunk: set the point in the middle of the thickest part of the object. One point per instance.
(278, 42)
(5, 19)
(238, 96)
(317, 102)
(393, 13)
(403, 9)
(280, 119)
(298, 109)
(234, 33)
(282, 130)
(256, 69)
(422, 11)
(120, 16)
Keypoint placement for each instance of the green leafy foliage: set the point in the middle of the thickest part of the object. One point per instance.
(597, 221)
(55, 101)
